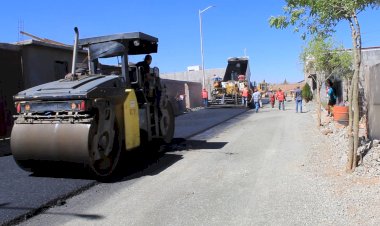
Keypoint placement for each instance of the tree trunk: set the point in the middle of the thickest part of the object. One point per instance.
(349, 132)
(355, 105)
(356, 41)
(319, 104)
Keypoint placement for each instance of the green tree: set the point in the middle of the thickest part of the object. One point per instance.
(307, 94)
(320, 18)
(324, 59)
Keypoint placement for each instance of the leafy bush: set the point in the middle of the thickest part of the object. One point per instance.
(307, 95)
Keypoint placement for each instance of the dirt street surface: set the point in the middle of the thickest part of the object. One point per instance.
(270, 168)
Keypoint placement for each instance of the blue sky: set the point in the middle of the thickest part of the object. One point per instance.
(229, 28)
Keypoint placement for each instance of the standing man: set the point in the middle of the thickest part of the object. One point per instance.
(298, 99)
(272, 98)
(180, 101)
(145, 64)
(256, 96)
(145, 72)
(205, 97)
(280, 96)
(244, 96)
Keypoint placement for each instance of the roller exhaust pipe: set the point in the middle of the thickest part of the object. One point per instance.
(75, 52)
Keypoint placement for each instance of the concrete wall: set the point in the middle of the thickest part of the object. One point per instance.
(25, 65)
(10, 84)
(369, 89)
(370, 58)
(195, 76)
(42, 64)
(192, 91)
(373, 98)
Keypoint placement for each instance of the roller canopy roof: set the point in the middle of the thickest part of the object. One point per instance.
(134, 43)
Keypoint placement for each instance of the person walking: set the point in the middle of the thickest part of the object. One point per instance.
(256, 96)
(272, 98)
(244, 96)
(205, 97)
(298, 99)
(332, 97)
(280, 96)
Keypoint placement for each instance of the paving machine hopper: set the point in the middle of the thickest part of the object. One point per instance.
(237, 76)
(90, 117)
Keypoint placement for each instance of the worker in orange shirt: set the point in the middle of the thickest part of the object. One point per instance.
(205, 97)
(280, 96)
(244, 95)
(272, 98)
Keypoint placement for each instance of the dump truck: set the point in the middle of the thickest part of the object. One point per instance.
(92, 116)
(228, 90)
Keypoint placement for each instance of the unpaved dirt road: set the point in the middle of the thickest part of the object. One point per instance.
(251, 170)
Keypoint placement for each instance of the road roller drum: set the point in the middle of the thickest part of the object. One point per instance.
(51, 142)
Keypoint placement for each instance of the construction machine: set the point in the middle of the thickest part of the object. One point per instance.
(263, 87)
(91, 117)
(237, 76)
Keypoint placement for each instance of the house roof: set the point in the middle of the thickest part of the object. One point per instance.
(31, 42)
(10, 47)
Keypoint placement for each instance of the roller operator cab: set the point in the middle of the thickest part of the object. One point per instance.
(95, 112)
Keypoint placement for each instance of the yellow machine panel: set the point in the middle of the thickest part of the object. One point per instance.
(131, 120)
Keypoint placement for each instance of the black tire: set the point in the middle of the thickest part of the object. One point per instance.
(104, 167)
(167, 123)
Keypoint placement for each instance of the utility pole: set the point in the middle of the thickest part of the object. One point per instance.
(201, 35)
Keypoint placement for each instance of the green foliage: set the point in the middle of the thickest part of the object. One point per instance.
(323, 56)
(319, 17)
(307, 94)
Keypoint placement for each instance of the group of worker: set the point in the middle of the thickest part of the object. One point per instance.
(280, 96)
(255, 98)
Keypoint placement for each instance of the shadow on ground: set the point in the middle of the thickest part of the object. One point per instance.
(34, 211)
(181, 144)
(149, 161)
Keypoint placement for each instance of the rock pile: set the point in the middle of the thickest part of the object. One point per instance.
(339, 140)
(369, 164)
(368, 151)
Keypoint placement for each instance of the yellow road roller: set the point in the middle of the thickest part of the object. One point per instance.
(96, 112)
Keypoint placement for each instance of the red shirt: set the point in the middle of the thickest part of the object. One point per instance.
(204, 94)
(245, 93)
(280, 96)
